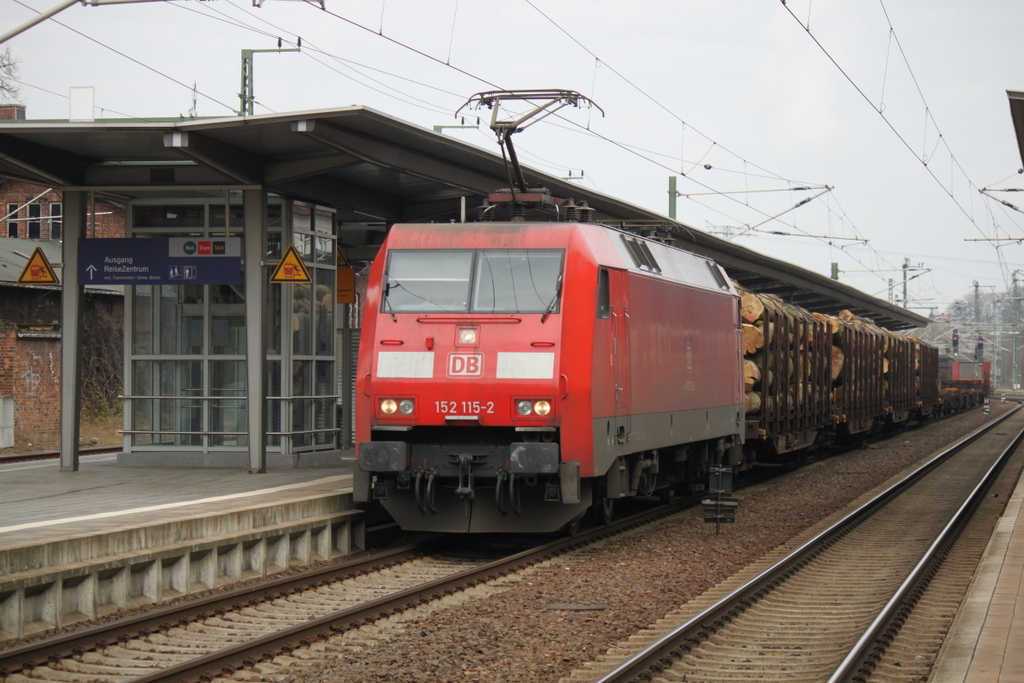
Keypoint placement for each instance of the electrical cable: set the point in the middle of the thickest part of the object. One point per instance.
(892, 127)
(67, 97)
(128, 57)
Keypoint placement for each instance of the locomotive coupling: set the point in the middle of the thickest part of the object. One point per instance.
(464, 491)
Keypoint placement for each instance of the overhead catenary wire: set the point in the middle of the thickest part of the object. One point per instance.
(683, 123)
(713, 144)
(923, 159)
(309, 47)
(68, 97)
(128, 57)
(844, 223)
(496, 86)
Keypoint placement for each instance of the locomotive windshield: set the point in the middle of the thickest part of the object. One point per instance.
(473, 281)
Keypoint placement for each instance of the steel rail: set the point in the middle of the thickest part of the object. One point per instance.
(73, 643)
(663, 652)
(35, 654)
(871, 646)
(249, 653)
(163, 619)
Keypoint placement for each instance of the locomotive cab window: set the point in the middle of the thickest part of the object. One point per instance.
(473, 281)
(604, 299)
(717, 275)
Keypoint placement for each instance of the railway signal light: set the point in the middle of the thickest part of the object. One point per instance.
(956, 341)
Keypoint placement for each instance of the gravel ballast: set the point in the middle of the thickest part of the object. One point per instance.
(544, 623)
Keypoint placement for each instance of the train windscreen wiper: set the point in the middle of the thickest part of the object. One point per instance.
(554, 299)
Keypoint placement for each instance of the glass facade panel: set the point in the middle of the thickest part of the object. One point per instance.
(171, 216)
(302, 217)
(275, 409)
(227, 320)
(325, 222)
(142, 320)
(182, 318)
(302, 409)
(154, 380)
(188, 343)
(325, 251)
(302, 320)
(313, 332)
(323, 407)
(217, 216)
(275, 216)
(142, 409)
(227, 378)
(274, 246)
(274, 320)
(168, 319)
(304, 245)
(325, 296)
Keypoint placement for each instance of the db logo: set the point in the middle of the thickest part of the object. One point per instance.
(465, 365)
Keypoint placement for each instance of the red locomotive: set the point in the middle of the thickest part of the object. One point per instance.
(964, 384)
(512, 375)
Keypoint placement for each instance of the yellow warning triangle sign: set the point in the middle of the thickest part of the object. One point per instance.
(38, 271)
(290, 268)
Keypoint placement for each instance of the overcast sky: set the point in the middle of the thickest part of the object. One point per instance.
(744, 100)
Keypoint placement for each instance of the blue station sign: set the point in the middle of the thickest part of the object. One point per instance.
(160, 261)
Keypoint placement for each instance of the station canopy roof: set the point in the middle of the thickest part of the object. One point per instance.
(1017, 114)
(374, 169)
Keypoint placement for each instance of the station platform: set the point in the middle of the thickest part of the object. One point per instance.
(985, 640)
(80, 545)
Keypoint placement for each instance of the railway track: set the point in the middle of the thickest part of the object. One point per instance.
(256, 631)
(246, 629)
(834, 609)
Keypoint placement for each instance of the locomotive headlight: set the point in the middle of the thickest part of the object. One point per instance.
(467, 336)
(528, 407)
(406, 406)
(388, 406)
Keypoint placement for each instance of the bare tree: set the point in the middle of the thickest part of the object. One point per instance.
(9, 90)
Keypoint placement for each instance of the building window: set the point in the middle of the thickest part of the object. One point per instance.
(56, 220)
(12, 220)
(35, 225)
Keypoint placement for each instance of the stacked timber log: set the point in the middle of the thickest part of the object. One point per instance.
(751, 313)
(804, 371)
(778, 361)
(864, 356)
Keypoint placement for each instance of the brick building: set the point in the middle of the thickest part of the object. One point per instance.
(35, 212)
(30, 339)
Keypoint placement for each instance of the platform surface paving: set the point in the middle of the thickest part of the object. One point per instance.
(986, 641)
(38, 502)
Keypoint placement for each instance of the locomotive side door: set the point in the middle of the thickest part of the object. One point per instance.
(619, 308)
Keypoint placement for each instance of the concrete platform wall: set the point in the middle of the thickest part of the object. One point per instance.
(48, 586)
